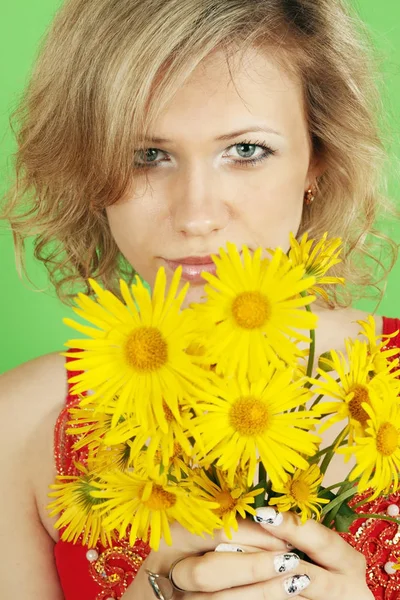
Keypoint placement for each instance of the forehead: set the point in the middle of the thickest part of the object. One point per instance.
(220, 96)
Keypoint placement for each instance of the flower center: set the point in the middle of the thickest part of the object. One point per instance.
(251, 310)
(169, 417)
(300, 491)
(387, 439)
(356, 410)
(226, 503)
(160, 499)
(146, 350)
(249, 416)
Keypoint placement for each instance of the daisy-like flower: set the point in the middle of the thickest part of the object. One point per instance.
(317, 258)
(245, 420)
(89, 425)
(254, 312)
(351, 390)
(232, 499)
(384, 360)
(142, 502)
(300, 491)
(136, 359)
(162, 447)
(74, 503)
(377, 453)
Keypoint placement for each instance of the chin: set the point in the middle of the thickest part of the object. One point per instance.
(195, 294)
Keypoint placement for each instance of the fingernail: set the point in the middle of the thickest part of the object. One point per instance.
(286, 562)
(228, 548)
(296, 584)
(268, 516)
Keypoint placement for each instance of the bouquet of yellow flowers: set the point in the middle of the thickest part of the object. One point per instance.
(203, 414)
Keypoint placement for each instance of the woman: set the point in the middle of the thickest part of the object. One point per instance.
(151, 134)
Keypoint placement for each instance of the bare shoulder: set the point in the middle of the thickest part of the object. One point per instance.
(31, 397)
(337, 325)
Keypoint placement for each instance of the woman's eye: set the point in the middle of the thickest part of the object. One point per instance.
(248, 154)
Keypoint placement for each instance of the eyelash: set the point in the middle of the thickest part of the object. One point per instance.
(268, 151)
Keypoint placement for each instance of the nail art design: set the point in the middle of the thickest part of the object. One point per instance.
(268, 515)
(296, 584)
(228, 548)
(286, 562)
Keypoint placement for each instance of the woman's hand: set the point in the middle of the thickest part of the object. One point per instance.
(266, 569)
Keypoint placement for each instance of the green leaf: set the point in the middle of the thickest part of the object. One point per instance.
(344, 518)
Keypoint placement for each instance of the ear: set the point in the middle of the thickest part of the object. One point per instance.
(316, 169)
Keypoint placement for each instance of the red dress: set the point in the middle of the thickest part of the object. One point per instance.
(105, 572)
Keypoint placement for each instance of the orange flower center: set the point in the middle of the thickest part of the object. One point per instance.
(160, 499)
(356, 410)
(146, 350)
(300, 490)
(249, 416)
(251, 310)
(387, 439)
(226, 503)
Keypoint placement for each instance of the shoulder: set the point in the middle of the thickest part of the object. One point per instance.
(336, 325)
(32, 390)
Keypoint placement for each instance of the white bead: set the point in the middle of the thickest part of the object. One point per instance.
(393, 510)
(92, 555)
(389, 568)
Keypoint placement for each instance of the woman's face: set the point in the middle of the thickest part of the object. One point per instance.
(208, 185)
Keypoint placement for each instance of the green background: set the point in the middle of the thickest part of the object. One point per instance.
(31, 320)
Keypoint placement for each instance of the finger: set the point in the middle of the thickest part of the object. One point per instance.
(217, 571)
(324, 546)
(275, 589)
(250, 534)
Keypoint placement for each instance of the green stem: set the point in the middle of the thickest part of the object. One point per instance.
(377, 516)
(311, 355)
(338, 500)
(320, 453)
(329, 455)
(262, 473)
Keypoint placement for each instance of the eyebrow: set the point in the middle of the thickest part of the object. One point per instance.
(224, 137)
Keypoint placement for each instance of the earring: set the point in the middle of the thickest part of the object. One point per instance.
(309, 197)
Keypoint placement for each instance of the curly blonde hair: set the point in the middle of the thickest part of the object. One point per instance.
(107, 68)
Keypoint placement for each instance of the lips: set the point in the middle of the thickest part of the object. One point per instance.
(193, 267)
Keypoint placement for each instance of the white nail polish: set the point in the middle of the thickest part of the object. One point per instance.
(228, 548)
(268, 516)
(296, 584)
(286, 562)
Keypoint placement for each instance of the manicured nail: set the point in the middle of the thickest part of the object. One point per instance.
(286, 562)
(296, 584)
(268, 516)
(228, 548)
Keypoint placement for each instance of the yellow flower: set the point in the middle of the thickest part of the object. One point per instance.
(377, 453)
(382, 358)
(89, 425)
(232, 499)
(136, 359)
(75, 505)
(301, 491)
(162, 447)
(151, 503)
(254, 312)
(245, 420)
(351, 390)
(317, 258)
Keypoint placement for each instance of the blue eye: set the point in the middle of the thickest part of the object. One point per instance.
(246, 149)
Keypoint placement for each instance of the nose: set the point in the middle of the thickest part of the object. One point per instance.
(199, 207)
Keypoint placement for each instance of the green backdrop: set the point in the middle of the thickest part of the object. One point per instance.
(31, 320)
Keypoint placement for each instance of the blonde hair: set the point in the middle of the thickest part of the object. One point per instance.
(107, 68)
